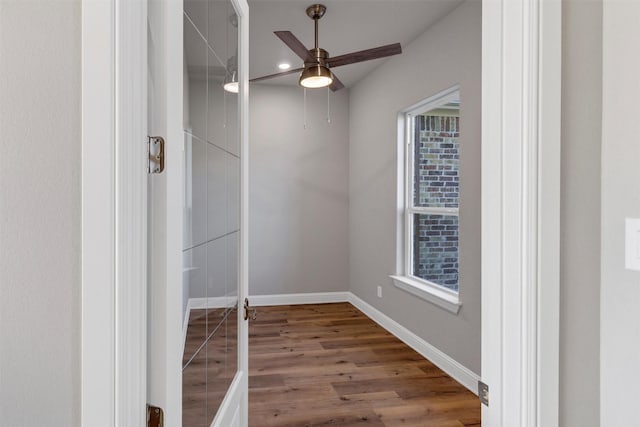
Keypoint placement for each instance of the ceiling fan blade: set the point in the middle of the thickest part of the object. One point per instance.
(271, 76)
(365, 55)
(337, 84)
(294, 44)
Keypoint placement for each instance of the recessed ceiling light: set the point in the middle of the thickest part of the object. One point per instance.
(284, 66)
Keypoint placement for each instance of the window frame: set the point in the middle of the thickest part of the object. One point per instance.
(404, 278)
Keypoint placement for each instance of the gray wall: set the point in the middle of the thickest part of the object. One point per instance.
(620, 295)
(446, 54)
(39, 213)
(580, 213)
(298, 197)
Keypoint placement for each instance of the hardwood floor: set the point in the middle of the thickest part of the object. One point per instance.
(329, 364)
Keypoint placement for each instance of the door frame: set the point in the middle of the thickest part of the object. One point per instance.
(114, 212)
(521, 64)
(521, 128)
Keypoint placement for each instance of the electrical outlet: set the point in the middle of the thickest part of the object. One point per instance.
(379, 291)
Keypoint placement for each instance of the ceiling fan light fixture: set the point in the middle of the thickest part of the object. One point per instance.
(316, 76)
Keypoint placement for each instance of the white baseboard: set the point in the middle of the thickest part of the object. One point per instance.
(454, 369)
(293, 299)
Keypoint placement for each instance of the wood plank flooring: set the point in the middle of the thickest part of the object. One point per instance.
(329, 364)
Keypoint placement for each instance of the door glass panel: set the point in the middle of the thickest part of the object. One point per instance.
(211, 207)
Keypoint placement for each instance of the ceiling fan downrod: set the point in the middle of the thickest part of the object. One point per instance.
(315, 12)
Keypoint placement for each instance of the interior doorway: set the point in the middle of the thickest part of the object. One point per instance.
(511, 111)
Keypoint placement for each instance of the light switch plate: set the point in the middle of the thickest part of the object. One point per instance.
(632, 244)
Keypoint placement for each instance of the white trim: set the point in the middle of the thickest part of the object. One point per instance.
(131, 211)
(454, 369)
(549, 175)
(434, 101)
(98, 387)
(295, 299)
(433, 293)
(403, 277)
(114, 187)
(433, 211)
(520, 211)
(171, 384)
(227, 415)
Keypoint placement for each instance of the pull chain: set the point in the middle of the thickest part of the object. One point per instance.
(304, 109)
(328, 106)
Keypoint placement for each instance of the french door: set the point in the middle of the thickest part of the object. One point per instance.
(197, 353)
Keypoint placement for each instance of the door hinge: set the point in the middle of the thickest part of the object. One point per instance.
(248, 311)
(483, 393)
(155, 148)
(155, 416)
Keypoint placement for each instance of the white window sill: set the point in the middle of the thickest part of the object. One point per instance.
(434, 294)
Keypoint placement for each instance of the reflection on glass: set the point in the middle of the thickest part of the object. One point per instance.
(194, 392)
(211, 208)
(195, 81)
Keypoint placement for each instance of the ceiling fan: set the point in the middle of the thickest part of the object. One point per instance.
(316, 72)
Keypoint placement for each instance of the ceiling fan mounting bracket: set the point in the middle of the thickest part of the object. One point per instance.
(316, 11)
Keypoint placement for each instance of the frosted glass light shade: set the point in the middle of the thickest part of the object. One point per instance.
(316, 76)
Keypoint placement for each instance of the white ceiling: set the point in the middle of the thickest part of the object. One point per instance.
(348, 26)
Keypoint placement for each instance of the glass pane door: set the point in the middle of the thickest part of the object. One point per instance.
(211, 207)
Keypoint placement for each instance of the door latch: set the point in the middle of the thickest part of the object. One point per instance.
(155, 149)
(248, 311)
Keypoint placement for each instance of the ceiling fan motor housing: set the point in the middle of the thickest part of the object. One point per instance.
(317, 56)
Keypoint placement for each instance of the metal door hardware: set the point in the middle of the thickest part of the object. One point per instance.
(155, 148)
(248, 311)
(155, 416)
(483, 393)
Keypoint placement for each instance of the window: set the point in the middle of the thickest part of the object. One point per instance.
(430, 181)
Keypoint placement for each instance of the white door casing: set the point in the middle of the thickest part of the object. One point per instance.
(520, 210)
(114, 193)
(521, 72)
